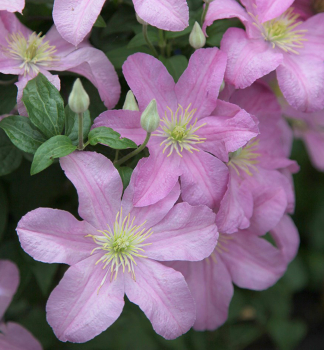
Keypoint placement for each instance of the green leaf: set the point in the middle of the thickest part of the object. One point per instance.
(22, 133)
(139, 40)
(44, 105)
(109, 137)
(55, 147)
(44, 274)
(8, 99)
(100, 22)
(10, 156)
(125, 173)
(216, 31)
(175, 65)
(118, 56)
(72, 125)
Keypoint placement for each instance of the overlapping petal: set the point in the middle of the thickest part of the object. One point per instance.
(9, 280)
(12, 5)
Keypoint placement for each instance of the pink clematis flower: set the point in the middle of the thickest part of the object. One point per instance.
(275, 39)
(12, 335)
(74, 19)
(241, 258)
(190, 135)
(258, 183)
(116, 250)
(25, 54)
(12, 5)
(310, 128)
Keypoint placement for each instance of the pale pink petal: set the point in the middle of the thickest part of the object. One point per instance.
(12, 24)
(301, 80)
(247, 59)
(12, 5)
(16, 337)
(199, 84)
(286, 237)
(314, 141)
(228, 129)
(148, 79)
(170, 15)
(156, 177)
(211, 286)
(236, 207)
(186, 233)
(204, 179)
(163, 295)
(267, 10)
(253, 262)
(9, 65)
(77, 309)
(95, 66)
(314, 43)
(9, 280)
(55, 236)
(126, 123)
(219, 9)
(75, 18)
(151, 214)
(98, 184)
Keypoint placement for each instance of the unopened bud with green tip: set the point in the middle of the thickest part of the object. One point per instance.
(197, 38)
(79, 100)
(130, 103)
(150, 119)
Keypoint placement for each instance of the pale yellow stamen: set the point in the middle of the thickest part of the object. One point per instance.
(121, 245)
(178, 132)
(281, 32)
(245, 158)
(223, 240)
(31, 53)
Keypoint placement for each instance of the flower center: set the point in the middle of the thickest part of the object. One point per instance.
(31, 52)
(245, 158)
(281, 32)
(318, 5)
(121, 245)
(179, 132)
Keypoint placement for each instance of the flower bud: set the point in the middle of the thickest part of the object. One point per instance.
(150, 119)
(130, 103)
(197, 38)
(79, 99)
(140, 20)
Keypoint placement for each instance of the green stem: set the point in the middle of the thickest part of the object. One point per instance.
(203, 16)
(80, 116)
(136, 151)
(162, 42)
(116, 155)
(148, 41)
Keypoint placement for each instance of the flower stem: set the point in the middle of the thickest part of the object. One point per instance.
(148, 41)
(136, 151)
(80, 116)
(203, 16)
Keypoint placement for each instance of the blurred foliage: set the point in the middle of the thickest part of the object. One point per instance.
(288, 316)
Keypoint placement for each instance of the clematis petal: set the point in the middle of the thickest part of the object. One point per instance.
(211, 286)
(253, 262)
(286, 237)
(301, 80)
(12, 5)
(99, 190)
(127, 123)
(9, 280)
(203, 180)
(247, 59)
(267, 10)
(148, 79)
(16, 337)
(55, 236)
(186, 233)
(95, 66)
(12, 24)
(314, 141)
(200, 83)
(75, 18)
(156, 177)
(77, 309)
(163, 295)
(236, 207)
(228, 129)
(170, 15)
